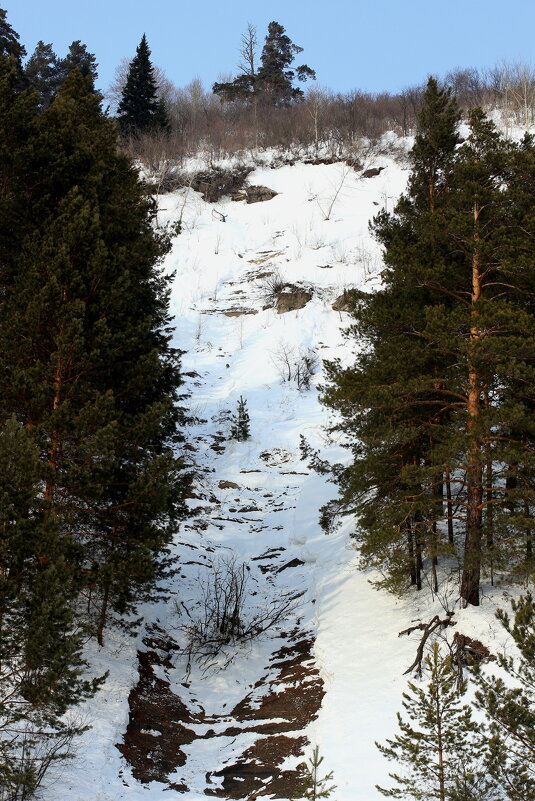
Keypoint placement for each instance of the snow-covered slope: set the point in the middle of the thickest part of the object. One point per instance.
(337, 658)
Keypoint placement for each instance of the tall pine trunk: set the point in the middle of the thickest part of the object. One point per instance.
(471, 574)
(54, 435)
(449, 506)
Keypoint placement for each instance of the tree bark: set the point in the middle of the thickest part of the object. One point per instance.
(449, 506)
(410, 546)
(54, 436)
(418, 563)
(103, 614)
(471, 574)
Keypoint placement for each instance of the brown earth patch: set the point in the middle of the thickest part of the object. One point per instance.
(265, 256)
(293, 563)
(228, 485)
(295, 694)
(257, 773)
(278, 707)
(152, 743)
(276, 456)
(239, 312)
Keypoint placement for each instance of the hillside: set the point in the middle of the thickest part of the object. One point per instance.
(330, 672)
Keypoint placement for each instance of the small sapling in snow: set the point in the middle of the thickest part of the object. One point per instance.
(240, 427)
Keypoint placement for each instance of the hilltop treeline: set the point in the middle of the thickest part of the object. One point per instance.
(331, 122)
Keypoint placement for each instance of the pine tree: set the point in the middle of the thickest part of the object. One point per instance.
(437, 745)
(510, 710)
(273, 82)
(18, 114)
(79, 58)
(391, 483)
(275, 77)
(495, 330)
(43, 72)
(10, 45)
(139, 110)
(458, 413)
(240, 427)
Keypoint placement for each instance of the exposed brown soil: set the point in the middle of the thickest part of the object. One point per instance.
(295, 693)
(157, 728)
(156, 732)
(255, 776)
(239, 312)
(292, 563)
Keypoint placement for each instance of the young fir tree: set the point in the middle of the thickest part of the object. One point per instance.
(86, 358)
(437, 747)
(510, 708)
(140, 111)
(240, 427)
(43, 72)
(317, 786)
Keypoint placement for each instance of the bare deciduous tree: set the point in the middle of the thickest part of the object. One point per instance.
(248, 51)
(296, 365)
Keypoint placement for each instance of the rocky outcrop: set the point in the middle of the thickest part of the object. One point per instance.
(255, 194)
(292, 299)
(213, 184)
(228, 485)
(372, 172)
(345, 302)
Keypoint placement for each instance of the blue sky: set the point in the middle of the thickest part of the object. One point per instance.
(376, 45)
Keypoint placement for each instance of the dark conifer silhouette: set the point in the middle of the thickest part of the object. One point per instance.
(80, 58)
(9, 41)
(140, 111)
(273, 82)
(43, 72)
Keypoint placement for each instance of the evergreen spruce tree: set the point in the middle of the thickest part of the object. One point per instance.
(86, 357)
(437, 746)
(43, 72)
(510, 708)
(240, 428)
(139, 110)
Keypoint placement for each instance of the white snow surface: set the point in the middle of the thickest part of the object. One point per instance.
(357, 649)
